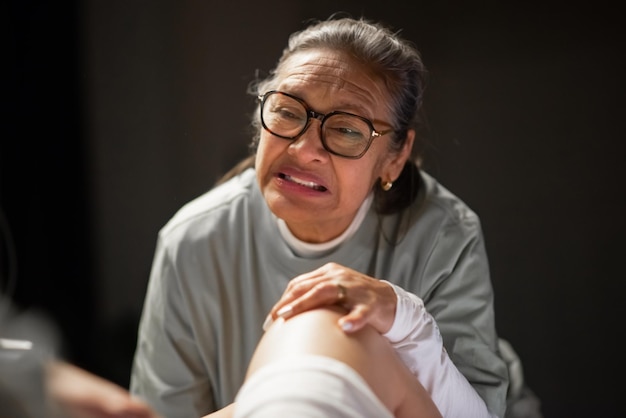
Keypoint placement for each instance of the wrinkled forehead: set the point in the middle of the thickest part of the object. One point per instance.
(327, 60)
(336, 72)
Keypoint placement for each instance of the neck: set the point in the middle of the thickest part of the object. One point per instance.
(312, 248)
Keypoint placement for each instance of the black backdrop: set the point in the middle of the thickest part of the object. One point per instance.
(116, 113)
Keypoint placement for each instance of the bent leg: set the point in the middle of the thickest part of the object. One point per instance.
(366, 352)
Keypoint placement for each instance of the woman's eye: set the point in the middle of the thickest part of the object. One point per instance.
(287, 113)
(350, 132)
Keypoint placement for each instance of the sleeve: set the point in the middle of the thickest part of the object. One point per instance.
(168, 371)
(416, 339)
(458, 294)
(453, 281)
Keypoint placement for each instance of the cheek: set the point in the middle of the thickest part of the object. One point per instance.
(375, 166)
(381, 162)
(263, 155)
(360, 178)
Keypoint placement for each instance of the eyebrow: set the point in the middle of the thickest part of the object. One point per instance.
(349, 107)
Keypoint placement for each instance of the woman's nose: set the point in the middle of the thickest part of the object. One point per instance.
(308, 145)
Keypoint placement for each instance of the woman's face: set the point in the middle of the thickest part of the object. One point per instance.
(317, 193)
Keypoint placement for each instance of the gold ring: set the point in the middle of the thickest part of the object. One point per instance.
(341, 293)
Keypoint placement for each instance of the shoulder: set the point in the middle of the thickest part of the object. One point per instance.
(436, 200)
(437, 219)
(213, 207)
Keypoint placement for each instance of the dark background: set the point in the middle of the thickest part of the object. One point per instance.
(115, 113)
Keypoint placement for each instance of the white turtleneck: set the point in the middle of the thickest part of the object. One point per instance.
(310, 250)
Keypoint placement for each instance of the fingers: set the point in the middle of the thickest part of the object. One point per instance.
(355, 319)
(367, 300)
(313, 295)
(342, 293)
(300, 286)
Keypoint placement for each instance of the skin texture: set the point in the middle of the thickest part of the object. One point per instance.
(366, 351)
(368, 300)
(327, 80)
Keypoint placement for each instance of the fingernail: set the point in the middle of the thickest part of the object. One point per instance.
(268, 321)
(284, 311)
(346, 326)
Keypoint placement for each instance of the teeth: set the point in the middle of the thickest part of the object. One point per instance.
(308, 184)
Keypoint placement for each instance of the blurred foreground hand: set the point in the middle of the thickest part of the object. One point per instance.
(76, 393)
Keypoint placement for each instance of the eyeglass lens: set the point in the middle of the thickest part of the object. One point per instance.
(343, 134)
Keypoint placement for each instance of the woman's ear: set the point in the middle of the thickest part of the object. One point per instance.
(396, 162)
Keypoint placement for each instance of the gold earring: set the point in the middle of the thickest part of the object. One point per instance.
(386, 185)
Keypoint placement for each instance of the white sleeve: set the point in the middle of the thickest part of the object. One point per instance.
(416, 338)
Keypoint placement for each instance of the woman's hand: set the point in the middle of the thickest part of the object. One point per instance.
(368, 300)
(77, 393)
(225, 412)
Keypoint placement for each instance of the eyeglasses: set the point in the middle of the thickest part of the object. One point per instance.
(342, 133)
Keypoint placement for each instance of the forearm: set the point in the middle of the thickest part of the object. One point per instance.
(416, 338)
(226, 412)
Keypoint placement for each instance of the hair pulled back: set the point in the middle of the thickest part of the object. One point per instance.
(394, 61)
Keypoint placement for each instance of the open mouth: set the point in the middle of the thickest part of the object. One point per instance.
(308, 184)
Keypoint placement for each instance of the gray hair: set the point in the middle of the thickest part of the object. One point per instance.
(394, 60)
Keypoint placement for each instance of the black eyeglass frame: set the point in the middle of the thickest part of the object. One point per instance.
(312, 114)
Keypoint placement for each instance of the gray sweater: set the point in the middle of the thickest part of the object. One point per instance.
(221, 264)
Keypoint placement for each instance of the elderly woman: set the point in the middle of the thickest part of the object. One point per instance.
(332, 208)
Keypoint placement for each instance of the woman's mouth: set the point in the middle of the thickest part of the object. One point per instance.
(304, 183)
